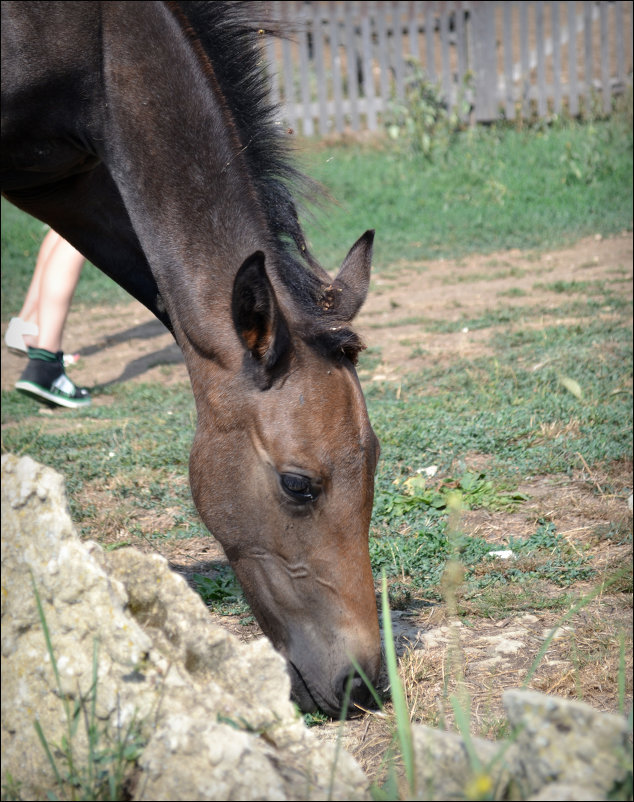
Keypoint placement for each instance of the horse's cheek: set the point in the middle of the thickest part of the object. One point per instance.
(208, 477)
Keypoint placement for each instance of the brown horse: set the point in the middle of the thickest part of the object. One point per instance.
(141, 132)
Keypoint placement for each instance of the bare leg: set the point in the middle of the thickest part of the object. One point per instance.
(58, 280)
(29, 311)
(53, 285)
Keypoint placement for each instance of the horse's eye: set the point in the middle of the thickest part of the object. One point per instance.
(299, 488)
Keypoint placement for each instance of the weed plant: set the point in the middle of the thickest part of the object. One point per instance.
(222, 592)
(421, 121)
(87, 764)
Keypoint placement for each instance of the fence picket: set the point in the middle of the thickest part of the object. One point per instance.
(288, 81)
(587, 41)
(346, 61)
(542, 106)
(368, 82)
(573, 96)
(351, 67)
(556, 35)
(461, 47)
(320, 68)
(412, 29)
(306, 115)
(605, 57)
(509, 105)
(484, 61)
(384, 61)
(444, 51)
(620, 50)
(398, 26)
(333, 27)
(524, 60)
(430, 23)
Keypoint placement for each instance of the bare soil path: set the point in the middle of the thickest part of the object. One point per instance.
(126, 344)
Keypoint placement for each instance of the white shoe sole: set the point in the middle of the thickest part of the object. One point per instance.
(40, 392)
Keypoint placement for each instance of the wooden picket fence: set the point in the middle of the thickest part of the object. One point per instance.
(347, 61)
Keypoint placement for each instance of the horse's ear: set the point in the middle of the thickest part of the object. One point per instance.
(257, 317)
(350, 288)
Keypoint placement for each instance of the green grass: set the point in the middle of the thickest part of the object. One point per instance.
(494, 189)
(526, 421)
(497, 406)
(548, 398)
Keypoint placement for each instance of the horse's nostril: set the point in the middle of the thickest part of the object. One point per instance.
(351, 683)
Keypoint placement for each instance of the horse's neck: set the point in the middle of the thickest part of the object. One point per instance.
(172, 150)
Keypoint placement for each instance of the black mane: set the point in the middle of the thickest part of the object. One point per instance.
(230, 34)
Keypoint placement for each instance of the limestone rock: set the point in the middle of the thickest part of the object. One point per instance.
(444, 769)
(564, 792)
(566, 742)
(211, 716)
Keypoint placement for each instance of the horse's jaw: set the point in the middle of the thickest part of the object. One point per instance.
(321, 630)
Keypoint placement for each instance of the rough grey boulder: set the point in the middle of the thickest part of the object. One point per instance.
(564, 742)
(212, 716)
(446, 770)
(559, 750)
(564, 792)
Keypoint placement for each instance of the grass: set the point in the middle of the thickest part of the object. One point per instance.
(401, 775)
(526, 422)
(486, 194)
(547, 403)
(495, 189)
(87, 764)
(501, 405)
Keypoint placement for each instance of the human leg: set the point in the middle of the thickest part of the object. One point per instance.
(29, 310)
(44, 376)
(57, 286)
(23, 329)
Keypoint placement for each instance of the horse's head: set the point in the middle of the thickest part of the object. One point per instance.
(282, 472)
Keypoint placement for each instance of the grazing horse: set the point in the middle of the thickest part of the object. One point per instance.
(142, 133)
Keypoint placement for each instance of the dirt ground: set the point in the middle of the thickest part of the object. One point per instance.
(127, 344)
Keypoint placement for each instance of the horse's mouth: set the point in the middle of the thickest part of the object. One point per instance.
(308, 700)
(300, 691)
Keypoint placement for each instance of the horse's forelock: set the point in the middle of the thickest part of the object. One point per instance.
(337, 342)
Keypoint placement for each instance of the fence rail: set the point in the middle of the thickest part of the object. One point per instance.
(348, 60)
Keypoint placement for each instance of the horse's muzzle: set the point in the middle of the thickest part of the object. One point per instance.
(348, 691)
(353, 692)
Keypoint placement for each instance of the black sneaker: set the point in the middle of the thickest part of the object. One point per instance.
(44, 379)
